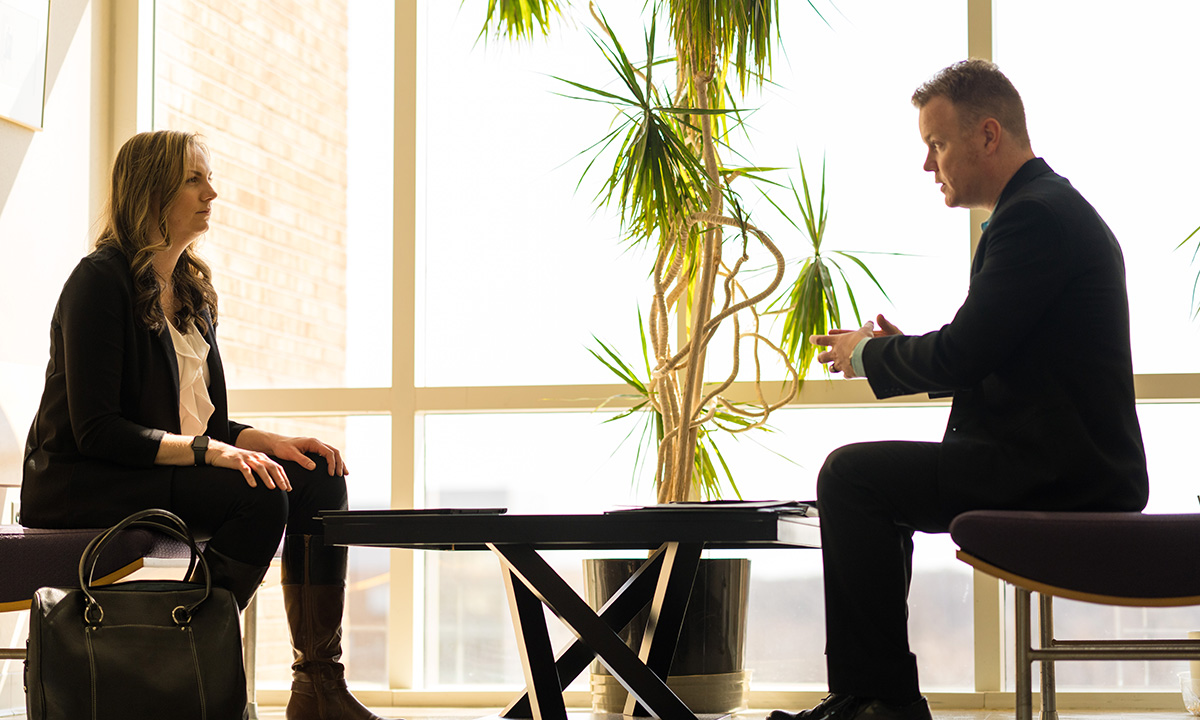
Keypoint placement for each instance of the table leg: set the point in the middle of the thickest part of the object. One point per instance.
(667, 612)
(641, 682)
(537, 656)
(618, 611)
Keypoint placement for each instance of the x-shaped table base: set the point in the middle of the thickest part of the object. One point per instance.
(664, 580)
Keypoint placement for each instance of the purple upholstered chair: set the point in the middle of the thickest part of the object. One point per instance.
(1128, 559)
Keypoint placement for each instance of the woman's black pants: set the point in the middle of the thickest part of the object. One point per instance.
(247, 523)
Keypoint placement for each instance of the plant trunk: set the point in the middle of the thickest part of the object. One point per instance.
(680, 483)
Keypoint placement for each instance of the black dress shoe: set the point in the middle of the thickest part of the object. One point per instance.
(850, 707)
(832, 703)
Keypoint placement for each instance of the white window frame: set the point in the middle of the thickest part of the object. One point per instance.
(129, 50)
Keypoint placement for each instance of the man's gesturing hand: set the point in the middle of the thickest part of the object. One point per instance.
(841, 347)
(885, 327)
(841, 344)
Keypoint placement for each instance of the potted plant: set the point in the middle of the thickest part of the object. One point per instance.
(676, 196)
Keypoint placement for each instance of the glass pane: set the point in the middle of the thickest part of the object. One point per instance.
(503, 192)
(369, 188)
(365, 441)
(498, 207)
(302, 161)
(1103, 96)
(530, 463)
(565, 462)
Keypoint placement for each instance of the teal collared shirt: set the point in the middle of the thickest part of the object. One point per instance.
(856, 360)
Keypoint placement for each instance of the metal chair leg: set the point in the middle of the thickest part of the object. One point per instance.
(1046, 621)
(249, 654)
(1024, 663)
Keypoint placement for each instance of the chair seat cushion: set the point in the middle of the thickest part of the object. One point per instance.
(1119, 554)
(31, 558)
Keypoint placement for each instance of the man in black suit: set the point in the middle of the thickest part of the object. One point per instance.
(1038, 362)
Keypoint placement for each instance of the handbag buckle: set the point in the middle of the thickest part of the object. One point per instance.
(87, 613)
(181, 615)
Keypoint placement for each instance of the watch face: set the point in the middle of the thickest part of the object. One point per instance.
(199, 448)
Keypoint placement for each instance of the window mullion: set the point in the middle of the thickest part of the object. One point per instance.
(403, 616)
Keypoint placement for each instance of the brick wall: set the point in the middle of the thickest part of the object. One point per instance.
(265, 82)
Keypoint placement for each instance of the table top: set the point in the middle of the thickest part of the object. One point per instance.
(721, 526)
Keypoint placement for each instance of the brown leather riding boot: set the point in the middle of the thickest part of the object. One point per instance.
(314, 615)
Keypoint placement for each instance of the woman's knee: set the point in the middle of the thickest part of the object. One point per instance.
(254, 523)
(329, 492)
(313, 491)
(271, 506)
(316, 488)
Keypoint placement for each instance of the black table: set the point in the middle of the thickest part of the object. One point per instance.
(676, 535)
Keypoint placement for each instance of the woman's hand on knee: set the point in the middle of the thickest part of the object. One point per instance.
(253, 465)
(296, 449)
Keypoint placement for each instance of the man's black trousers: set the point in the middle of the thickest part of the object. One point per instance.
(871, 498)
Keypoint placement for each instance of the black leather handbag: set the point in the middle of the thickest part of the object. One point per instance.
(142, 649)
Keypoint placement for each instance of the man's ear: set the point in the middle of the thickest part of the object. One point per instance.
(991, 131)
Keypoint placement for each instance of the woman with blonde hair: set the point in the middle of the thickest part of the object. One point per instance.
(134, 415)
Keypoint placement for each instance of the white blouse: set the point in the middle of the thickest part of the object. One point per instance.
(195, 406)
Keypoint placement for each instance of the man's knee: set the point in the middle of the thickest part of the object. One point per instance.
(841, 467)
(897, 479)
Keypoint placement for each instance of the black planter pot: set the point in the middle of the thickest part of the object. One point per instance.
(708, 672)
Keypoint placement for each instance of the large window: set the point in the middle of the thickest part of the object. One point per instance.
(407, 268)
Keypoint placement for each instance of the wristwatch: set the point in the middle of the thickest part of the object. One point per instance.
(199, 447)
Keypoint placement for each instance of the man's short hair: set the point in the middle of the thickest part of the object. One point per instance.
(978, 90)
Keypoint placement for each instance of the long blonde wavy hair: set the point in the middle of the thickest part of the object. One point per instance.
(147, 175)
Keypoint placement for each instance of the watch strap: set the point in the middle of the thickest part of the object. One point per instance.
(200, 448)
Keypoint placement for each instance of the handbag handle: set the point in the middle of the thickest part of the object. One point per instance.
(174, 527)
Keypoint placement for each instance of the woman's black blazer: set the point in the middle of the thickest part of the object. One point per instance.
(112, 391)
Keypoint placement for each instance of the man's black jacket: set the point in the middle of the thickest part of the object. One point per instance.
(1038, 360)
